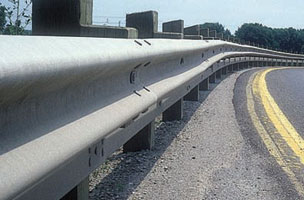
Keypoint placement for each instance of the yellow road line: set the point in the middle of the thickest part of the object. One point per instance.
(277, 117)
(269, 143)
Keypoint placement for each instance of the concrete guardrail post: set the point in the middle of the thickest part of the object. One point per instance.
(230, 68)
(212, 33)
(193, 95)
(205, 32)
(143, 140)
(174, 112)
(218, 74)
(212, 78)
(204, 85)
(224, 70)
(80, 192)
(235, 67)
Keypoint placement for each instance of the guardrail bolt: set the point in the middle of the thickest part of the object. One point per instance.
(132, 77)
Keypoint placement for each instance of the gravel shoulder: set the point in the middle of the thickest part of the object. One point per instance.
(203, 156)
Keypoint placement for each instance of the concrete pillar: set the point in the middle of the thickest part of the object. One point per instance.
(59, 17)
(224, 70)
(204, 85)
(80, 192)
(175, 112)
(235, 67)
(72, 18)
(193, 95)
(220, 36)
(205, 32)
(212, 33)
(212, 78)
(250, 64)
(176, 26)
(230, 69)
(192, 30)
(145, 22)
(143, 140)
(218, 74)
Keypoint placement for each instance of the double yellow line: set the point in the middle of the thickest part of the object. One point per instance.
(257, 90)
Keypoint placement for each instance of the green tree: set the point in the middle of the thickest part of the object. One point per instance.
(256, 33)
(16, 18)
(2, 18)
(288, 39)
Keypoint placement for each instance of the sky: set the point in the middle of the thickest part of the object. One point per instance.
(231, 13)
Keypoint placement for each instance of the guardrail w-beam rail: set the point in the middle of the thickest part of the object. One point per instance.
(68, 103)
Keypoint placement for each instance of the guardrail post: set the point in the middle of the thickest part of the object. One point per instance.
(145, 22)
(80, 192)
(235, 67)
(224, 70)
(212, 78)
(241, 66)
(143, 140)
(205, 32)
(230, 68)
(218, 74)
(204, 85)
(193, 95)
(212, 33)
(175, 112)
(246, 65)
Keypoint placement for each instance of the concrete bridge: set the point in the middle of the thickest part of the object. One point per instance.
(73, 95)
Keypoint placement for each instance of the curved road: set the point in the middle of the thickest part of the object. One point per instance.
(242, 140)
(274, 109)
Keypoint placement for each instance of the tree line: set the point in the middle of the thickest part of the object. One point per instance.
(14, 19)
(284, 39)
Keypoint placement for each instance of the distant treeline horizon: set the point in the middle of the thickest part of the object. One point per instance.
(286, 39)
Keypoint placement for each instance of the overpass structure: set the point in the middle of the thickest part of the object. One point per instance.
(67, 103)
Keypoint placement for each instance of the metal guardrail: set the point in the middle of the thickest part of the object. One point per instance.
(68, 103)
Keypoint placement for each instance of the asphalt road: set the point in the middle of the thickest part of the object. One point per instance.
(269, 107)
(286, 86)
(226, 147)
